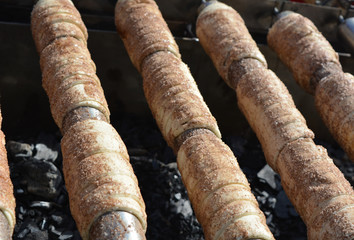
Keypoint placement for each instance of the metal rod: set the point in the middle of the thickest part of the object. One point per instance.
(117, 225)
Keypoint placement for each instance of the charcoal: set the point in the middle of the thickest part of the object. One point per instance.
(18, 150)
(66, 235)
(63, 197)
(274, 228)
(137, 152)
(167, 204)
(349, 170)
(58, 219)
(21, 210)
(43, 223)
(38, 235)
(42, 204)
(262, 198)
(237, 145)
(31, 213)
(28, 229)
(271, 202)
(55, 232)
(33, 227)
(23, 233)
(45, 153)
(293, 212)
(20, 216)
(183, 206)
(19, 191)
(283, 206)
(42, 178)
(177, 196)
(269, 217)
(168, 155)
(270, 177)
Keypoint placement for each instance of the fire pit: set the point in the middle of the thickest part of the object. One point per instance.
(41, 215)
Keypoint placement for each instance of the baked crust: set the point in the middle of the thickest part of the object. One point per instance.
(302, 48)
(334, 100)
(316, 68)
(222, 45)
(322, 196)
(174, 98)
(316, 187)
(216, 186)
(69, 78)
(271, 112)
(99, 178)
(7, 199)
(98, 175)
(143, 33)
(53, 19)
(218, 189)
(169, 87)
(64, 57)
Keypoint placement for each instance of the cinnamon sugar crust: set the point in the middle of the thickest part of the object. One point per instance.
(143, 30)
(301, 47)
(315, 186)
(222, 45)
(174, 98)
(218, 189)
(99, 178)
(216, 186)
(316, 68)
(7, 199)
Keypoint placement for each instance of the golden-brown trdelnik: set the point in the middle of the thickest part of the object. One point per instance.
(98, 175)
(316, 68)
(7, 198)
(316, 187)
(217, 188)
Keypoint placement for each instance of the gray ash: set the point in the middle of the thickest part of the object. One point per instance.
(43, 211)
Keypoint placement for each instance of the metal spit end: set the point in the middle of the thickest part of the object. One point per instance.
(204, 4)
(280, 15)
(276, 11)
(117, 225)
(341, 19)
